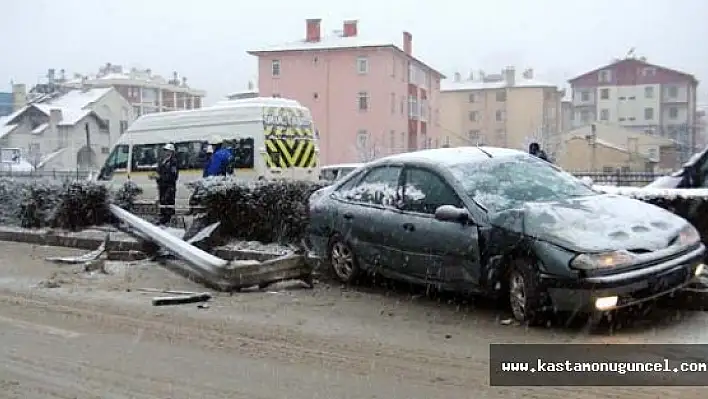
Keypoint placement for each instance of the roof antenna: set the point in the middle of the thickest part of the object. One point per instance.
(484, 151)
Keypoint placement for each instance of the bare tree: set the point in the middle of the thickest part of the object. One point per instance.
(34, 157)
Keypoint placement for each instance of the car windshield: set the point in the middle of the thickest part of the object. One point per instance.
(505, 183)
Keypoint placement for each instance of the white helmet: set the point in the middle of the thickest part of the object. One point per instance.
(216, 140)
(169, 147)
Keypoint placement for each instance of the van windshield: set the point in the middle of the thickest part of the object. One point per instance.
(117, 162)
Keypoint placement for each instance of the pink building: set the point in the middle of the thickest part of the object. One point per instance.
(368, 99)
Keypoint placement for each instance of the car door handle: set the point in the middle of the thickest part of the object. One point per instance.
(408, 226)
(348, 216)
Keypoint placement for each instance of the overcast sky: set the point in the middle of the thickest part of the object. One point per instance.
(206, 40)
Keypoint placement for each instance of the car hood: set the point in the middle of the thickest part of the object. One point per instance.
(597, 223)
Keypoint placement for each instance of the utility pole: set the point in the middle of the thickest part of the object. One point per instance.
(593, 142)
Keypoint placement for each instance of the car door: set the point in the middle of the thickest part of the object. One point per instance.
(364, 212)
(436, 251)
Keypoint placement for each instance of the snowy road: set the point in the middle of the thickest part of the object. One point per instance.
(97, 337)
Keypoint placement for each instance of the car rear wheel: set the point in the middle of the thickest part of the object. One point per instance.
(342, 261)
(527, 298)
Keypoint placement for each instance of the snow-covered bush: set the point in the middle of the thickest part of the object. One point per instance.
(265, 211)
(47, 203)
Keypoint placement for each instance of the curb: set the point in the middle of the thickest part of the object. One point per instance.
(124, 244)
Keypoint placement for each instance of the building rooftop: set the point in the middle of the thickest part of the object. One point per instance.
(110, 73)
(338, 40)
(641, 62)
(465, 85)
(74, 106)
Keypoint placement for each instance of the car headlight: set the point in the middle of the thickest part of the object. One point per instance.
(602, 260)
(688, 236)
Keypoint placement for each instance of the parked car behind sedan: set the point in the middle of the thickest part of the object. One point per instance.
(332, 173)
(499, 222)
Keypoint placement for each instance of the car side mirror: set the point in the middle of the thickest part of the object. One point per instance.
(449, 213)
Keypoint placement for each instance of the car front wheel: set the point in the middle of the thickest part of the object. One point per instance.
(342, 261)
(527, 298)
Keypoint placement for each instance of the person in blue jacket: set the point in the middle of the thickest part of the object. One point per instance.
(219, 162)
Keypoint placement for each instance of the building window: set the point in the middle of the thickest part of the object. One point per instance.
(499, 115)
(393, 67)
(315, 60)
(673, 92)
(473, 136)
(471, 98)
(648, 92)
(315, 95)
(648, 71)
(673, 113)
(363, 100)
(403, 141)
(604, 114)
(362, 65)
(604, 76)
(105, 150)
(584, 96)
(605, 94)
(393, 103)
(276, 95)
(648, 113)
(501, 96)
(413, 107)
(392, 140)
(362, 139)
(473, 116)
(402, 104)
(275, 67)
(137, 111)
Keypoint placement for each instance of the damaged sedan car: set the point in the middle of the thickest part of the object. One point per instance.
(500, 222)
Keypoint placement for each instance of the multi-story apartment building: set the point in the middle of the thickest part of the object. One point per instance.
(636, 94)
(501, 110)
(367, 98)
(145, 91)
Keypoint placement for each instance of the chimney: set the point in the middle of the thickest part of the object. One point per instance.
(509, 75)
(312, 32)
(54, 117)
(350, 28)
(50, 76)
(471, 77)
(457, 77)
(149, 72)
(184, 81)
(19, 96)
(407, 43)
(528, 74)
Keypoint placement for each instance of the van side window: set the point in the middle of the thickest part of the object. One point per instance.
(191, 154)
(243, 153)
(146, 156)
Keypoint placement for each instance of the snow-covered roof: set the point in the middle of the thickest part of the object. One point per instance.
(6, 129)
(41, 128)
(334, 42)
(74, 105)
(454, 155)
(465, 85)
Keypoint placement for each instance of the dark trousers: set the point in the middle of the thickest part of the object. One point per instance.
(167, 194)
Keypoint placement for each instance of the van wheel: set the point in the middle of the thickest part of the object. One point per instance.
(528, 300)
(342, 261)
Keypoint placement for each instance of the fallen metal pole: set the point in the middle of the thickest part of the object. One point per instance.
(204, 261)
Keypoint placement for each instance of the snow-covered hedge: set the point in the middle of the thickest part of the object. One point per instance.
(47, 203)
(265, 211)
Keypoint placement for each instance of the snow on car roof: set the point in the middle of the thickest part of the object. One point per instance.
(453, 156)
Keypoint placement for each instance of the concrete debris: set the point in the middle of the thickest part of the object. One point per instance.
(213, 271)
(179, 300)
(88, 257)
